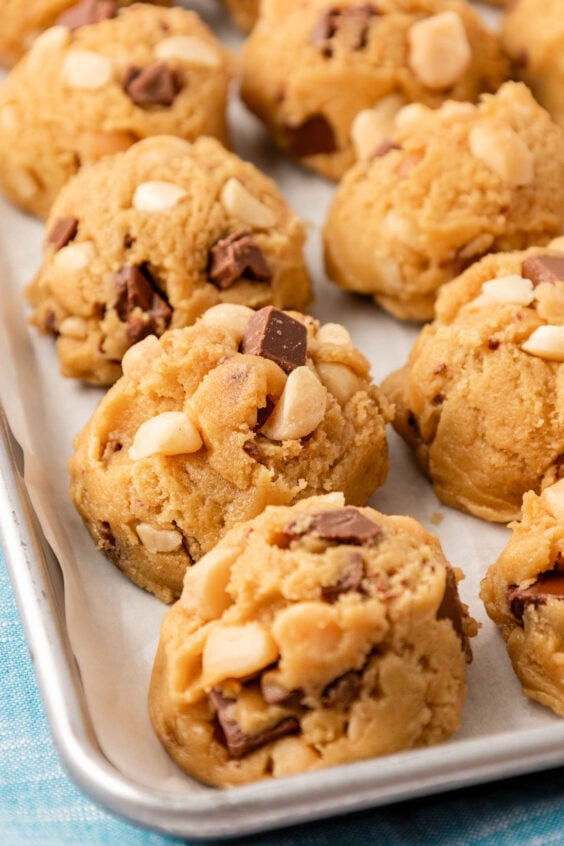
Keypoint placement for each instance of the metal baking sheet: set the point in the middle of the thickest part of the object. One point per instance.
(82, 617)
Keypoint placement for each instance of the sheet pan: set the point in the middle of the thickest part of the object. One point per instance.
(93, 634)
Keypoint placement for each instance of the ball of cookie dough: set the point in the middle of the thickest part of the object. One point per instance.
(211, 423)
(480, 399)
(311, 636)
(309, 68)
(445, 187)
(24, 20)
(244, 12)
(533, 36)
(169, 229)
(523, 592)
(83, 94)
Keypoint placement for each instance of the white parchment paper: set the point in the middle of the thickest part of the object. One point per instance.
(113, 626)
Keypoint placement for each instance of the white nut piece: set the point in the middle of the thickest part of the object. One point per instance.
(25, 182)
(138, 358)
(169, 433)
(334, 333)
(53, 38)
(557, 243)
(86, 69)
(74, 327)
(74, 256)
(300, 409)
(546, 342)
(189, 49)
(498, 146)
(205, 583)
(241, 204)
(510, 289)
(229, 316)
(339, 380)
(233, 652)
(157, 196)
(371, 127)
(403, 229)
(554, 499)
(439, 50)
(411, 114)
(158, 540)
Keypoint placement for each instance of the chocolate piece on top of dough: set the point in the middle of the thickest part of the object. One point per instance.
(275, 335)
(549, 585)
(235, 257)
(88, 12)
(156, 85)
(63, 232)
(541, 269)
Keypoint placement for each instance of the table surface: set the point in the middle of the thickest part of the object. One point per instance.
(39, 804)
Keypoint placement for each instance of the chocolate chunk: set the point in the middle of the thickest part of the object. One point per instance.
(240, 744)
(344, 525)
(342, 691)
(50, 323)
(310, 138)
(350, 581)
(541, 269)
(63, 231)
(107, 539)
(264, 413)
(87, 12)
(275, 694)
(235, 257)
(549, 585)
(274, 335)
(451, 609)
(156, 85)
(347, 27)
(251, 449)
(136, 289)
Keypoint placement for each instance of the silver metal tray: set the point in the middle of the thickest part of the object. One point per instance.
(211, 813)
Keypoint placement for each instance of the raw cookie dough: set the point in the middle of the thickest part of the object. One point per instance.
(311, 636)
(24, 20)
(211, 423)
(524, 595)
(533, 35)
(169, 229)
(443, 189)
(480, 400)
(244, 12)
(309, 68)
(78, 96)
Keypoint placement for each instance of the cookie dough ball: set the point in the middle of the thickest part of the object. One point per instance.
(480, 398)
(244, 12)
(442, 190)
(308, 70)
(212, 423)
(80, 95)
(524, 595)
(24, 20)
(310, 636)
(169, 229)
(533, 35)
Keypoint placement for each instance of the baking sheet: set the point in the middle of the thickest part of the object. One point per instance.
(112, 626)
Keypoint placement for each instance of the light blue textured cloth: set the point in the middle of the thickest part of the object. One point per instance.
(39, 805)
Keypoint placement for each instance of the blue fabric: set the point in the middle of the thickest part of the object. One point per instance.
(39, 805)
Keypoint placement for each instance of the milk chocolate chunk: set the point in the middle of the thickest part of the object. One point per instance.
(384, 148)
(348, 27)
(349, 582)
(156, 85)
(240, 744)
(88, 12)
(63, 231)
(541, 269)
(235, 257)
(549, 585)
(310, 138)
(274, 335)
(275, 694)
(342, 691)
(345, 525)
(136, 292)
(451, 609)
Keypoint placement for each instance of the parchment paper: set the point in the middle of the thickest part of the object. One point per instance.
(113, 625)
